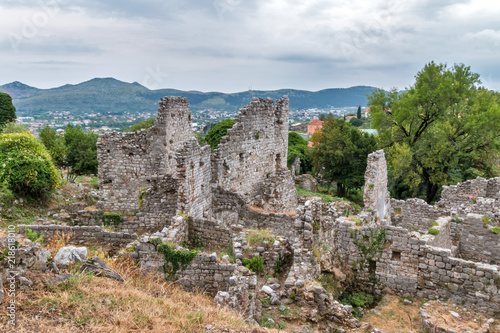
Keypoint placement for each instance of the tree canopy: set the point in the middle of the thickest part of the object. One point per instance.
(145, 124)
(7, 109)
(218, 131)
(297, 147)
(340, 153)
(55, 145)
(81, 156)
(442, 130)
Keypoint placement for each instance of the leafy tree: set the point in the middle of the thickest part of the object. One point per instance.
(81, 156)
(26, 167)
(356, 122)
(297, 146)
(218, 131)
(145, 124)
(359, 112)
(442, 129)
(55, 144)
(340, 152)
(13, 127)
(7, 109)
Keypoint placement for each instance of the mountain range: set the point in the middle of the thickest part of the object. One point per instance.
(112, 95)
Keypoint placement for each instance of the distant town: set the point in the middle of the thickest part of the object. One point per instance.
(101, 122)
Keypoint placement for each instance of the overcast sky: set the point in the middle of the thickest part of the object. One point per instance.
(234, 45)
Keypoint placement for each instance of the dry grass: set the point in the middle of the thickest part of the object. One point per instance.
(260, 210)
(94, 304)
(57, 242)
(395, 316)
(255, 237)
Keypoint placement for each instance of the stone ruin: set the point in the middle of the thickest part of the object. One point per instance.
(168, 188)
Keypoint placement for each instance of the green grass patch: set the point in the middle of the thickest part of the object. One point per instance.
(433, 231)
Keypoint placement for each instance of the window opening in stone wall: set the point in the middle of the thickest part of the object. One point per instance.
(396, 255)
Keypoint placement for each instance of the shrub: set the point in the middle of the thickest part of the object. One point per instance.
(456, 219)
(26, 167)
(433, 231)
(495, 230)
(255, 264)
(33, 236)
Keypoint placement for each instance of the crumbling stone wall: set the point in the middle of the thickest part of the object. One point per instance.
(158, 206)
(413, 214)
(128, 160)
(411, 265)
(231, 209)
(205, 273)
(211, 234)
(83, 234)
(193, 172)
(254, 150)
(476, 241)
(376, 195)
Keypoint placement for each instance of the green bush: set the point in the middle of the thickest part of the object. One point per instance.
(433, 231)
(26, 167)
(495, 230)
(216, 133)
(33, 236)
(255, 264)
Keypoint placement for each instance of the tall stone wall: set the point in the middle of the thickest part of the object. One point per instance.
(254, 150)
(194, 174)
(128, 160)
(376, 195)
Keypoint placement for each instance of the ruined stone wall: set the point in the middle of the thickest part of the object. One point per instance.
(83, 234)
(474, 285)
(411, 265)
(159, 204)
(194, 174)
(205, 273)
(413, 214)
(477, 242)
(255, 149)
(376, 195)
(211, 234)
(232, 209)
(128, 160)
(478, 196)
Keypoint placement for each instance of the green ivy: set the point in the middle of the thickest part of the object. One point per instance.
(370, 247)
(175, 259)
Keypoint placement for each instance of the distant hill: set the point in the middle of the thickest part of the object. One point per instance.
(109, 94)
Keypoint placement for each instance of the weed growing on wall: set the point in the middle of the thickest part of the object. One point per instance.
(175, 259)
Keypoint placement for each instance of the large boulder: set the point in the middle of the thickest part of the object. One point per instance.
(29, 257)
(70, 254)
(99, 268)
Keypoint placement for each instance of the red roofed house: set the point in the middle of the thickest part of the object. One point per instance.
(365, 112)
(314, 126)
